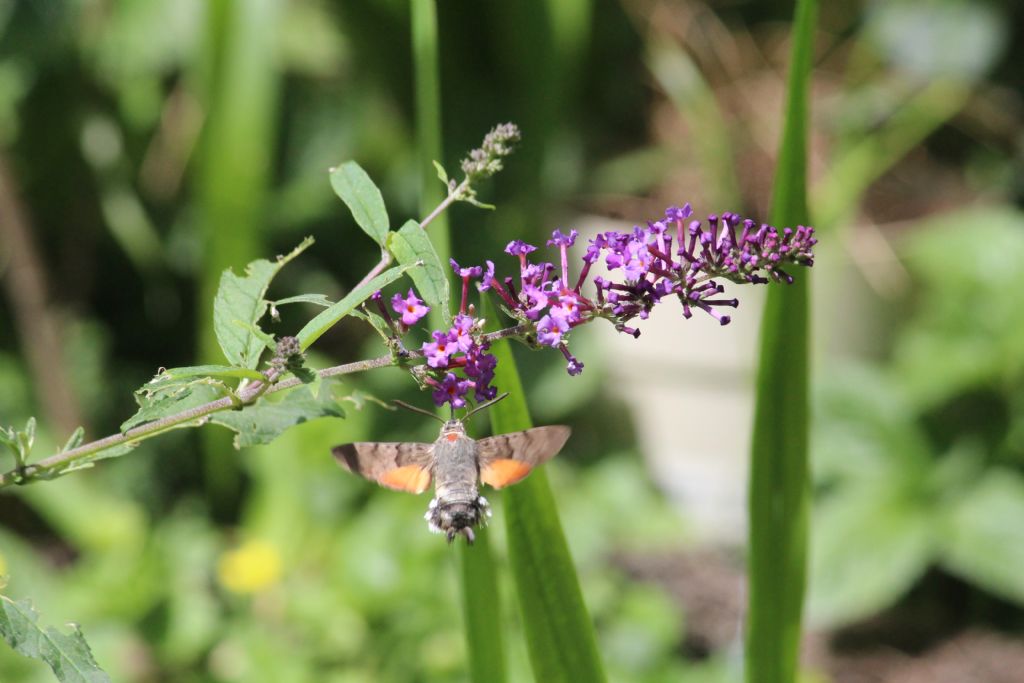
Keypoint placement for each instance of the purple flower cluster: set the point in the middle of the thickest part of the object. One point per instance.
(544, 297)
(673, 257)
(667, 258)
(459, 349)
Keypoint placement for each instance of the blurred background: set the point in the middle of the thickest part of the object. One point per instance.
(146, 145)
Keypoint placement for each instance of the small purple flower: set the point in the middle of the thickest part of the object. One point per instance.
(411, 308)
(674, 213)
(475, 271)
(488, 277)
(558, 239)
(569, 306)
(572, 364)
(519, 248)
(551, 327)
(440, 350)
(637, 260)
(451, 390)
(535, 301)
(461, 333)
(480, 367)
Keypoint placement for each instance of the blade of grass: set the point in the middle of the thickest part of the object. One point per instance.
(427, 75)
(240, 79)
(481, 605)
(559, 632)
(481, 610)
(778, 468)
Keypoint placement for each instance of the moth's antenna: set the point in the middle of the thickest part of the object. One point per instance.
(415, 409)
(488, 404)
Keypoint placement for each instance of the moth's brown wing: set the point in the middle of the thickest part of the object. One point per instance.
(507, 458)
(399, 466)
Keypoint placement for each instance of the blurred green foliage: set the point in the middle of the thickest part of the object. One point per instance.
(920, 459)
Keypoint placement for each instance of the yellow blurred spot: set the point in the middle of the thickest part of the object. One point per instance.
(252, 567)
(3, 566)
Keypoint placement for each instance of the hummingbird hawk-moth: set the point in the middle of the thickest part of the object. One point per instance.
(455, 463)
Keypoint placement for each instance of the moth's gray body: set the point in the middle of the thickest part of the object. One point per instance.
(456, 463)
(457, 506)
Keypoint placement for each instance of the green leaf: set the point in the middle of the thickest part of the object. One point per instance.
(363, 199)
(559, 632)
(240, 303)
(68, 655)
(115, 451)
(441, 173)
(855, 533)
(962, 334)
(75, 440)
(779, 490)
(268, 341)
(983, 539)
(164, 401)
(218, 371)
(410, 245)
(329, 317)
(19, 442)
(8, 437)
(378, 322)
(315, 299)
(264, 421)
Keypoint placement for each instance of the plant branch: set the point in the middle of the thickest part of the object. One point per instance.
(197, 415)
(452, 197)
(385, 255)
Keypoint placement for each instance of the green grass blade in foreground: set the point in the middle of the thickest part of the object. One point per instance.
(479, 583)
(778, 469)
(559, 632)
(240, 78)
(481, 610)
(427, 76)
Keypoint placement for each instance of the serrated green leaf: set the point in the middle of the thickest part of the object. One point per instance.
(363, 199)
(240, 303)
(329, 317)
(410, 245)
(67, 654)
(562, 648)
(315, 299)
(266, 420)
(172, 399)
